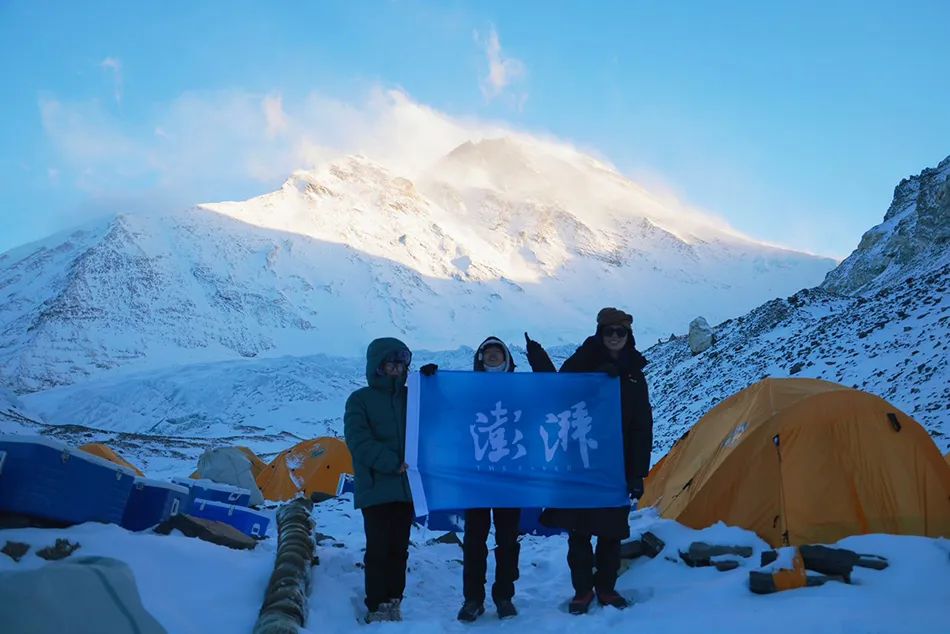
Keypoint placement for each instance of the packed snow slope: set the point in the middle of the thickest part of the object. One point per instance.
(888, 335)
(500, 236)
(302, 396)
(193, 587)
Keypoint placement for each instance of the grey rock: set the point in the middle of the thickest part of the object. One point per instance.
(701, 335)
(15, 550)
(726, 565)
(61, 549)
(701, 554)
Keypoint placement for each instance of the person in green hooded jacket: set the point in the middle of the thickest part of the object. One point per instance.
(374, 426)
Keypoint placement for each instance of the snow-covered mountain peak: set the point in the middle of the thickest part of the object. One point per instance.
(518, 165)
(352, 249)
(353, 171)
(501, 208)
(517, 170)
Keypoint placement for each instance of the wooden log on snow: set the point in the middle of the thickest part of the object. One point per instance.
(284, 609)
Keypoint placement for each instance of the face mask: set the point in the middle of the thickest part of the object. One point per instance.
(497, 368)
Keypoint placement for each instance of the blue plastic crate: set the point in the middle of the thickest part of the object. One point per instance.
(152, 502)
(248, 521)
(346, 484)
(213, 492)
(47, 479)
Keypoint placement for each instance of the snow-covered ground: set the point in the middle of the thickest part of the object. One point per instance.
(195, 587)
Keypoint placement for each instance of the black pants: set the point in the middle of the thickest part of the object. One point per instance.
(582, 559)
(387, 551)
(475, 553)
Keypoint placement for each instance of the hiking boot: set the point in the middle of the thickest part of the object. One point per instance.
(395, 609)
(612, 598)
(470, 611)
(506, 609)
(581, 603)
(383, 612)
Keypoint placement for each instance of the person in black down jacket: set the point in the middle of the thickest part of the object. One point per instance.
(491, 356)
(612, 350)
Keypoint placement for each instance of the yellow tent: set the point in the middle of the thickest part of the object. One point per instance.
(104, 451)
(309, 466)
(803, 461)
(257, 465)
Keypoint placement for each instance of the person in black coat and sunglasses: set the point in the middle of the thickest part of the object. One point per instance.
(612, 349)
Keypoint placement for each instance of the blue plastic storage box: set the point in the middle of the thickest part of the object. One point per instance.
(45, 478)
(346, 484)
(248, 521)
(152, 502)
(213, 492)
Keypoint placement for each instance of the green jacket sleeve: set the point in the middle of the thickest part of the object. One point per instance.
(363, 446)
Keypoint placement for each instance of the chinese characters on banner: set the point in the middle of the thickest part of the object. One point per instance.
(572, 424)
(515, 440)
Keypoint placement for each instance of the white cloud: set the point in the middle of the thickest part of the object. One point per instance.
(114, 66)
(85, 133)
(502, 71)
(274, 115)
(204, 143)
(231, 145)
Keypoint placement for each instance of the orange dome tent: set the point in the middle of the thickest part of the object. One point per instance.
(104, 451)
(257, 465)
(309, 466)
(803, 461)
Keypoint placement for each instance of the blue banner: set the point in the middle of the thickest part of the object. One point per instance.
(480, 439)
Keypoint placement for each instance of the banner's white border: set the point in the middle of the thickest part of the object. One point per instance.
(412, 444)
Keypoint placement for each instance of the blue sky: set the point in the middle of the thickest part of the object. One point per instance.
(793, 121)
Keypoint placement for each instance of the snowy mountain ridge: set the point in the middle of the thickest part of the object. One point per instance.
(496, 236)
(889, 335)
(915, 234)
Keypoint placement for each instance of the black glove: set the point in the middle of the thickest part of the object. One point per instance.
(530, 344)
(635, 488)
(538, 357)
(428, 369)
(612, 370)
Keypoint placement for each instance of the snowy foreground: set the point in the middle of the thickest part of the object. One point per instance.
(193, 586)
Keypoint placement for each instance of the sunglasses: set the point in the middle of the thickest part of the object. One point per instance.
(399, 356)
(614, 331)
